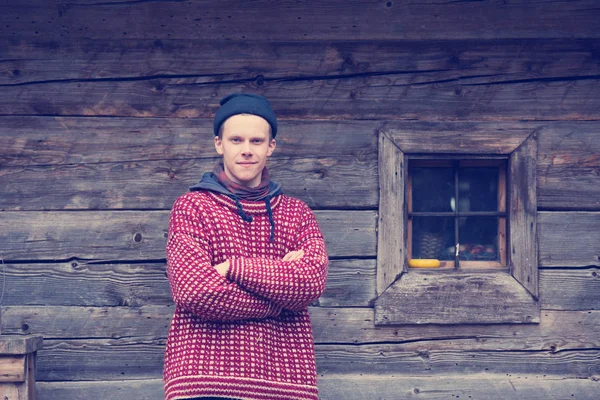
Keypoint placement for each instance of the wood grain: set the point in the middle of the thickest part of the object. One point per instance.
(312, 20)
(156, 184)
(12, 369)
(391, 240)
(456, 298)
(522, 215)
(141, 235)
(574, 289)
(106, 359)
(365, 386)
(38, 151)
(55, 141)
(350, 283)
(569, 239)
(369, 97)
(557, 330)
(78, 283)
(440, 80)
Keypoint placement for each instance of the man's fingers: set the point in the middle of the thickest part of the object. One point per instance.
(293, 255)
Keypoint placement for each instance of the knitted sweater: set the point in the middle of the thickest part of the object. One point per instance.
(247, 335)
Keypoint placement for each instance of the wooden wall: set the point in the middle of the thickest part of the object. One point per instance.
(105, 118)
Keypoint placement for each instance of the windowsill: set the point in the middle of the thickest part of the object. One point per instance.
(490, 297)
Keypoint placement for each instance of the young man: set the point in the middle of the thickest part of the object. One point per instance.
(244, 261)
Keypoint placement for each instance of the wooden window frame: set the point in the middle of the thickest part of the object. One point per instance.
(456, 297)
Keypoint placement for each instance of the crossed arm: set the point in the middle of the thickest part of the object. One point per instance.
(241, 288)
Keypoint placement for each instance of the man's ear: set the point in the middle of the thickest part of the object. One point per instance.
(272, 145)
(219, 145)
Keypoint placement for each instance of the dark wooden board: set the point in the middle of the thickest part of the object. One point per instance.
(574, 289)
(569, 239)
(360, 97)
(490, 80)
(350, 283)
(456, 298)
(461, 386)
(141, 235)
(156, 184)
(77, 283)
(274, 20)
(110, 359)
(19, 345)
(70, 153)
(381, 359)
(363, 386)
(42, 61)
(55, 141)
(568, 166)
(557, 330)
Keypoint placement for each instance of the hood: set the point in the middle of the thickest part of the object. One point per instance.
(209, 182)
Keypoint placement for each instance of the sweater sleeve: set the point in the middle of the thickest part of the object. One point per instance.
(291, 284)
(196, 286)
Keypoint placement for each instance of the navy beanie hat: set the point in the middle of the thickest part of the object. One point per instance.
(245, 103)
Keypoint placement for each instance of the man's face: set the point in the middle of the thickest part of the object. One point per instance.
(245, 146)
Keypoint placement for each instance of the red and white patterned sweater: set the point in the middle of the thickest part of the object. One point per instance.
(248, 335)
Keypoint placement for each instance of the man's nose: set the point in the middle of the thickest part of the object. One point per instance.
(246, 149)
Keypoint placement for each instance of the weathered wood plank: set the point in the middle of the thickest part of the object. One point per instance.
(19, 345)
(376, 359)
(523, 215)
(494, 80)
(54, 141)
(12, 369)
(136, 184)
(456, 298)
(562, 289)
(105, 359)
(391, 257)
(141, 235)
(459, 138)
(360, 387)
(567, 157)
(333, 20)
(568, 164)
(557, 331)
(371, 97)
(43, 61)
(569, 239)
(349, 283)
(466, 386)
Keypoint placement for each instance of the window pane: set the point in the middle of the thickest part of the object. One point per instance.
(432, 236)
(478, 189)
(432, 189)
(478, 238)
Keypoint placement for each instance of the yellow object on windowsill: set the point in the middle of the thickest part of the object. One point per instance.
(424, 263)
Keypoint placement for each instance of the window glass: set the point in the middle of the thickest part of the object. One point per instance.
(478, 189)
(432, 189)
(478, 238)
(432, 237)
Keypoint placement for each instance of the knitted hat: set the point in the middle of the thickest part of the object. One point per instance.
(245, 103)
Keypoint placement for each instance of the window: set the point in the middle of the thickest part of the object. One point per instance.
(484, 201)
(457, 203)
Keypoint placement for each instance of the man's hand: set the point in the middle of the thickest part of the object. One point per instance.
(223, 268)
(293, 255)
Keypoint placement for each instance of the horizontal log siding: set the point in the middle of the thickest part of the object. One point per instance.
(354, 386)
(106, 163)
